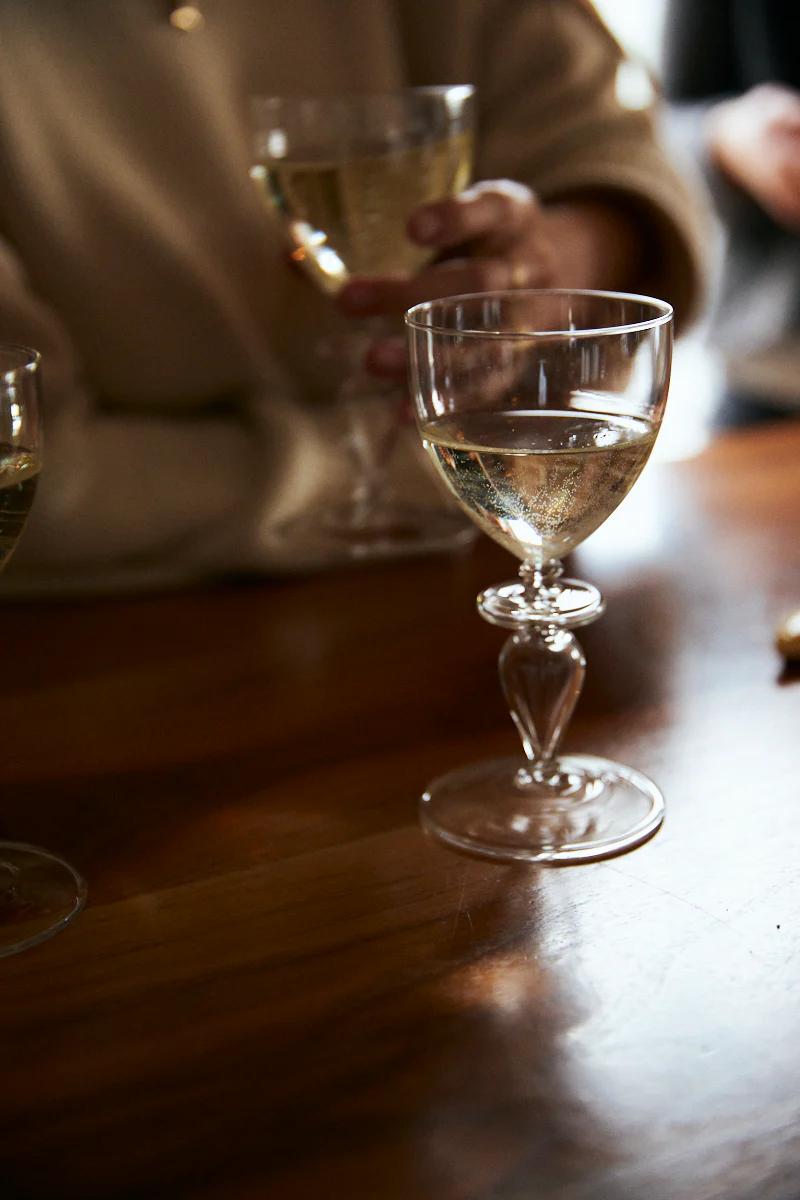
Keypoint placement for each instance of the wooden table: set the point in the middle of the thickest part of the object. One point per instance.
(280, 988)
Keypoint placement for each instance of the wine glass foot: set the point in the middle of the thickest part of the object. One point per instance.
(39, 896)
(590, 808)
(571, 603)
(351, 534)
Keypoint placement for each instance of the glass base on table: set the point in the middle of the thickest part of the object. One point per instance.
(39, 896)
(589, 808)
(341, 534)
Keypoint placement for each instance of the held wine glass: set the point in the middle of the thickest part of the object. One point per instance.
(343, 174)
(540, 409)
(39, 893)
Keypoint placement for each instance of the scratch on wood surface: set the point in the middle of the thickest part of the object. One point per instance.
(462, 908)
(672, 895)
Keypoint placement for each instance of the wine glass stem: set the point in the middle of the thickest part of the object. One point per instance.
(542, 673)
(540, 578)
(542, 669)
(371, 409)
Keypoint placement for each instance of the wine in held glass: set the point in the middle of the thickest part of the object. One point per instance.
(343, 174)
(540, 409)
(39, 892)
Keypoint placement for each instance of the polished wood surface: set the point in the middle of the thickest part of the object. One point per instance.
(280, 988)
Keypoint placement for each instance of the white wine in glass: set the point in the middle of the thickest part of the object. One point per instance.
(539, 410)
(342, 174)
(541, 481)
(19, 472)
(347, 217)
(39, 892)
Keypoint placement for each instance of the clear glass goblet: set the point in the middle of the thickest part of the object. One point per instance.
(39, 892)
(540, 409)
(342, 174)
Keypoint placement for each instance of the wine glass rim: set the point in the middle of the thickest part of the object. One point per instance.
(664, 310)
(30, 360)
(437, 89)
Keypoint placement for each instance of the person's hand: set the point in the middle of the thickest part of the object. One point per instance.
(495, 235)
(755, 139)
(488, 238)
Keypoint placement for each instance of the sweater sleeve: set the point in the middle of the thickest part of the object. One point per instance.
(551, 118)
(127, 498)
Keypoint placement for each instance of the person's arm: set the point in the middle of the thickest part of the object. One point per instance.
(552, 118)
(128, 494)
(577, 192)
(754, 140)
(498, 235)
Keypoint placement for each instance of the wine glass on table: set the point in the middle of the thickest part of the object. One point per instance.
(539, 410)
(343, 174)
(39, 892)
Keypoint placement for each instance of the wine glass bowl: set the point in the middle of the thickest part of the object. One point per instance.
(539, 409)
(39, 892)
(342, 174)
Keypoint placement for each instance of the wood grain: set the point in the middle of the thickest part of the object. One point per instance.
(280, 988)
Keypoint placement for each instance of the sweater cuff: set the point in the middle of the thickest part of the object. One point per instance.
(673, 264)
